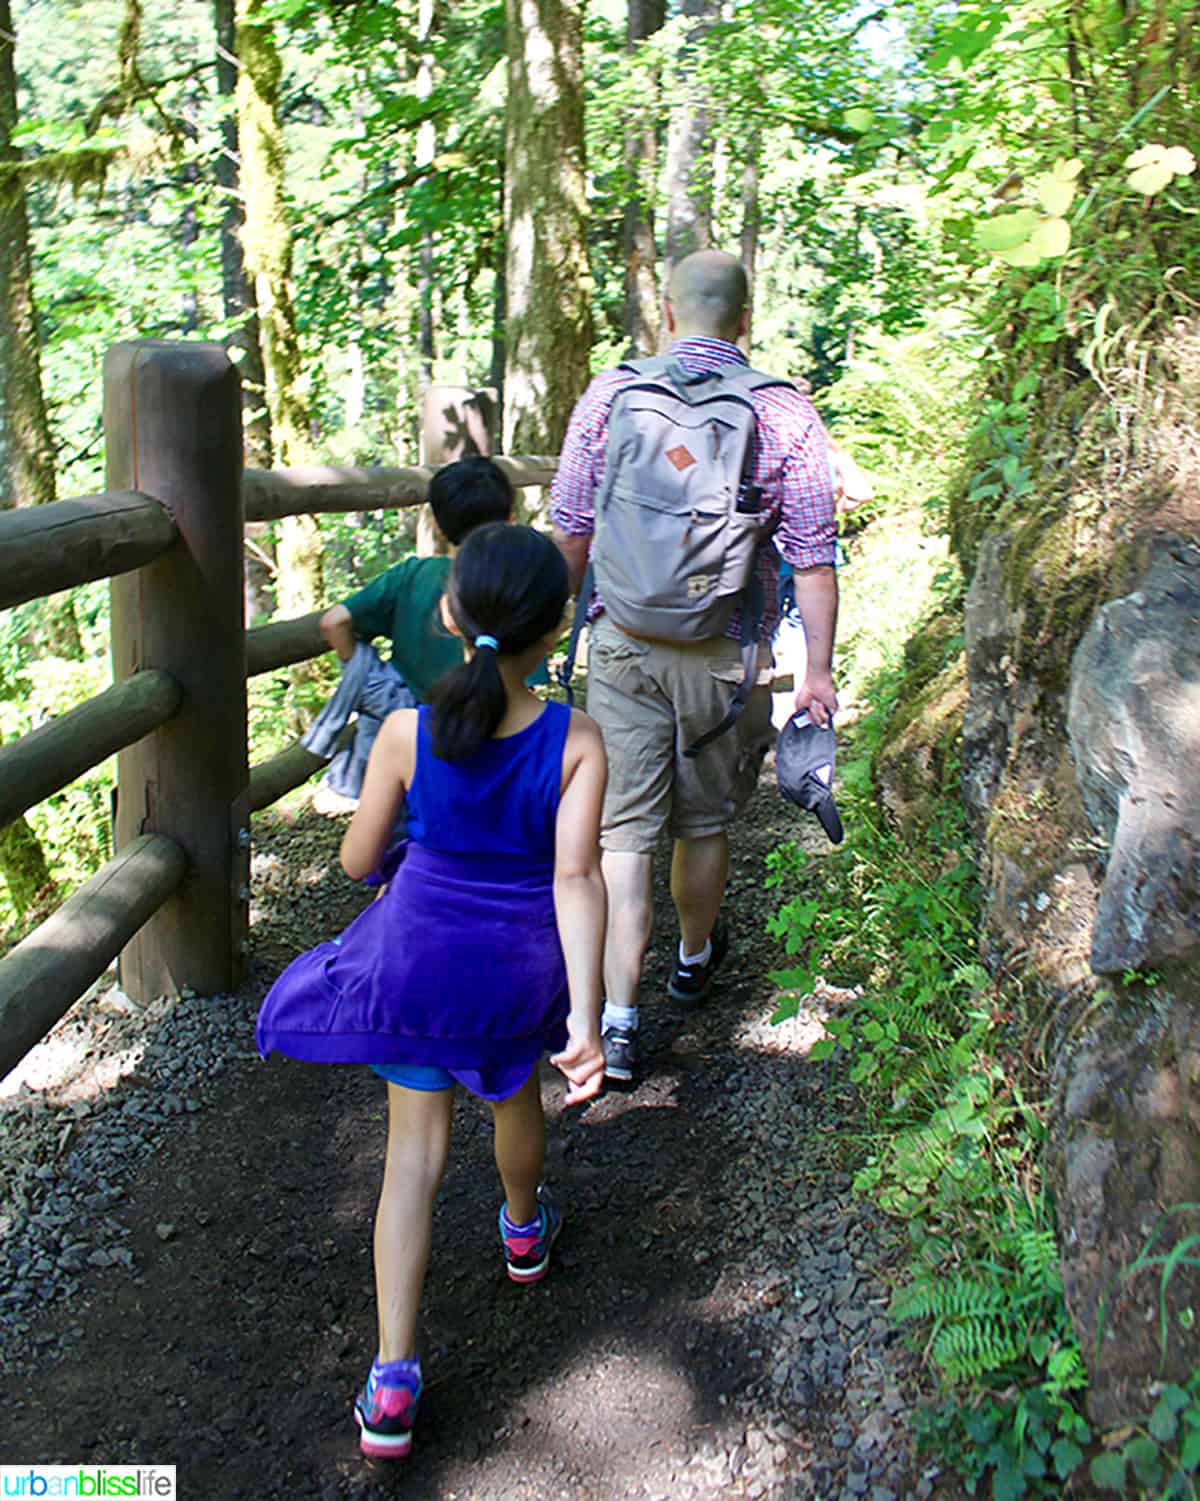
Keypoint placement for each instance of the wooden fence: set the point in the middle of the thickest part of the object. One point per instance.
(168, 531)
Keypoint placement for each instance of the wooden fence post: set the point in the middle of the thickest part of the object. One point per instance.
(456, 422)
(173, 430)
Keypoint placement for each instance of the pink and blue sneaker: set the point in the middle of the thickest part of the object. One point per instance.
(527, 1247)
(387, 1407)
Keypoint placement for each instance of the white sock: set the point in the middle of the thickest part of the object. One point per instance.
(702, 957)
(623, 1018)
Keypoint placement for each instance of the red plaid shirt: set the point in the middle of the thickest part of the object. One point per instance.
(791, 464)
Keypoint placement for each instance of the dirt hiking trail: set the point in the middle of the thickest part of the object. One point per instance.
(189, 1259)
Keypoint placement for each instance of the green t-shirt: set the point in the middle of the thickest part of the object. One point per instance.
(404, 604)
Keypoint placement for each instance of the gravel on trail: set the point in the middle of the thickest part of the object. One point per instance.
(185, 1249)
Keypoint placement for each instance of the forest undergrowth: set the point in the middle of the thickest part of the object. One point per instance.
(953, 1081)
(952, 1146)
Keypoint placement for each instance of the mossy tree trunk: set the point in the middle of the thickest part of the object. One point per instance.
(689, 149)
(547, 283)
(26, 450)
(23, 866)
(237, 293)
(643, 19)
(751, 219)
(499, 322)
(241, 311)
(267, 246)
(266, 233)
(425, 153)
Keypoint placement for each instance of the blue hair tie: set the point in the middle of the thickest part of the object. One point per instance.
(482, 641)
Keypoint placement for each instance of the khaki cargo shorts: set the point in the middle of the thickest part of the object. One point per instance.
(651, 699)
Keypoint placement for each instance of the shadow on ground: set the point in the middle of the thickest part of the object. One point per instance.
(712, 1326)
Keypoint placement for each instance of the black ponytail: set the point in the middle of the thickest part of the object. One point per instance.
(509, 583)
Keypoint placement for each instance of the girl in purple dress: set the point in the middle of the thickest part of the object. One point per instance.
(485, 948)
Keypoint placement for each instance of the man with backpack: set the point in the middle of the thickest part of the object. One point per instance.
(682, 482)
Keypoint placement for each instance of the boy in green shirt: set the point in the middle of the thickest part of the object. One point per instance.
(404, 603)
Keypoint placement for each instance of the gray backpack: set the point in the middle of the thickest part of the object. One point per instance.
(678, 523)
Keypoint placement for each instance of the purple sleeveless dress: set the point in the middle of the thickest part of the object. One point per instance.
(458, 964)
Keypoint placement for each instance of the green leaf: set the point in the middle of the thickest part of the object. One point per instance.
(1006, 231)
(1108, 1471)
(787, 1008)
(859, 119)
(1163, 1423)
(1150, 179)
(1010, 470)
(873, 1032)
(1146, 1459)
(793, 979)
(1189, 1452)
(1053, 193)
(1067, 1457)
(1145, 156)
(1051, 237)
(822, 1048)
(1020, 255)
(1034, 1463)
(1008, 1484)
(981, 1425)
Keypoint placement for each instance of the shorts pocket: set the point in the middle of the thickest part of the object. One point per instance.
(608, 648)
(726, 672)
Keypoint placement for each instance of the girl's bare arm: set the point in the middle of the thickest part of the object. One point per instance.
(389, 773)
(581, 906)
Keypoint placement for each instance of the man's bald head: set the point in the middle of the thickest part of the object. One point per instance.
(707, 293)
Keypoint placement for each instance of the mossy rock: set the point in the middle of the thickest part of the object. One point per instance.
(918, 762)
(927, 653)
(1060, 580)
(1125, 1166)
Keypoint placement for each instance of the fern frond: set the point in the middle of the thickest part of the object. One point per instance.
(963, 1299)
(970, 1349)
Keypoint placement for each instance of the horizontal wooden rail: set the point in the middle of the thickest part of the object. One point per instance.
(53, 755)
(269, 780)
(47, 548)
(43, 977)
(272, 493)
(283, 642)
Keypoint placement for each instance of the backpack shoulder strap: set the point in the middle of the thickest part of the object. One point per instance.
(743, 380)
(667, 369)
(655, 364)
(748, 379)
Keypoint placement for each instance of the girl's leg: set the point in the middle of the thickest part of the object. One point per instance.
(521, 1147)
(418, 1144)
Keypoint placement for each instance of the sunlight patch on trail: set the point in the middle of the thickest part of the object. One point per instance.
(796, 1035)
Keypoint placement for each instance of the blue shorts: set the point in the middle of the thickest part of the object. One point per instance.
(415, 1076)
(491, 1083)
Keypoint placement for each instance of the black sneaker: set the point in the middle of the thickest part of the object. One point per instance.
(689, 982)
(620, 1054)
